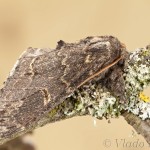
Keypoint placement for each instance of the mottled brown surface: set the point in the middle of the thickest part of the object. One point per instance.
(43, 78)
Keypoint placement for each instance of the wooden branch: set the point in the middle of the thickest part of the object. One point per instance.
(141, 126)
(17, 144)
(84, 78)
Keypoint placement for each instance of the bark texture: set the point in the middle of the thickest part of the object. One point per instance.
(141, 126)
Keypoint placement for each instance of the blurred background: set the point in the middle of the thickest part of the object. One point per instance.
(41, 23)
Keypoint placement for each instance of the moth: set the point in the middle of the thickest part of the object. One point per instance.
(44, 78)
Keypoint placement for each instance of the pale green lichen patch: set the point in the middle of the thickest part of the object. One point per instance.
(96, 101)
(137, 77)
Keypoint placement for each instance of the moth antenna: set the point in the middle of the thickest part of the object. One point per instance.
(99, 72)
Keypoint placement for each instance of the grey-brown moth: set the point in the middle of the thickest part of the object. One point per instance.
(44, 78)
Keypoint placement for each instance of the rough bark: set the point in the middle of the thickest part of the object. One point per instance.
(141, 126)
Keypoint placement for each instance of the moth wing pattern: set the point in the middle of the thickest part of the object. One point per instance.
(43, 78)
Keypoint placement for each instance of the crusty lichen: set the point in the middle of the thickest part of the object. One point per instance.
(143, 97)
(94, 100)
(137, 77)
